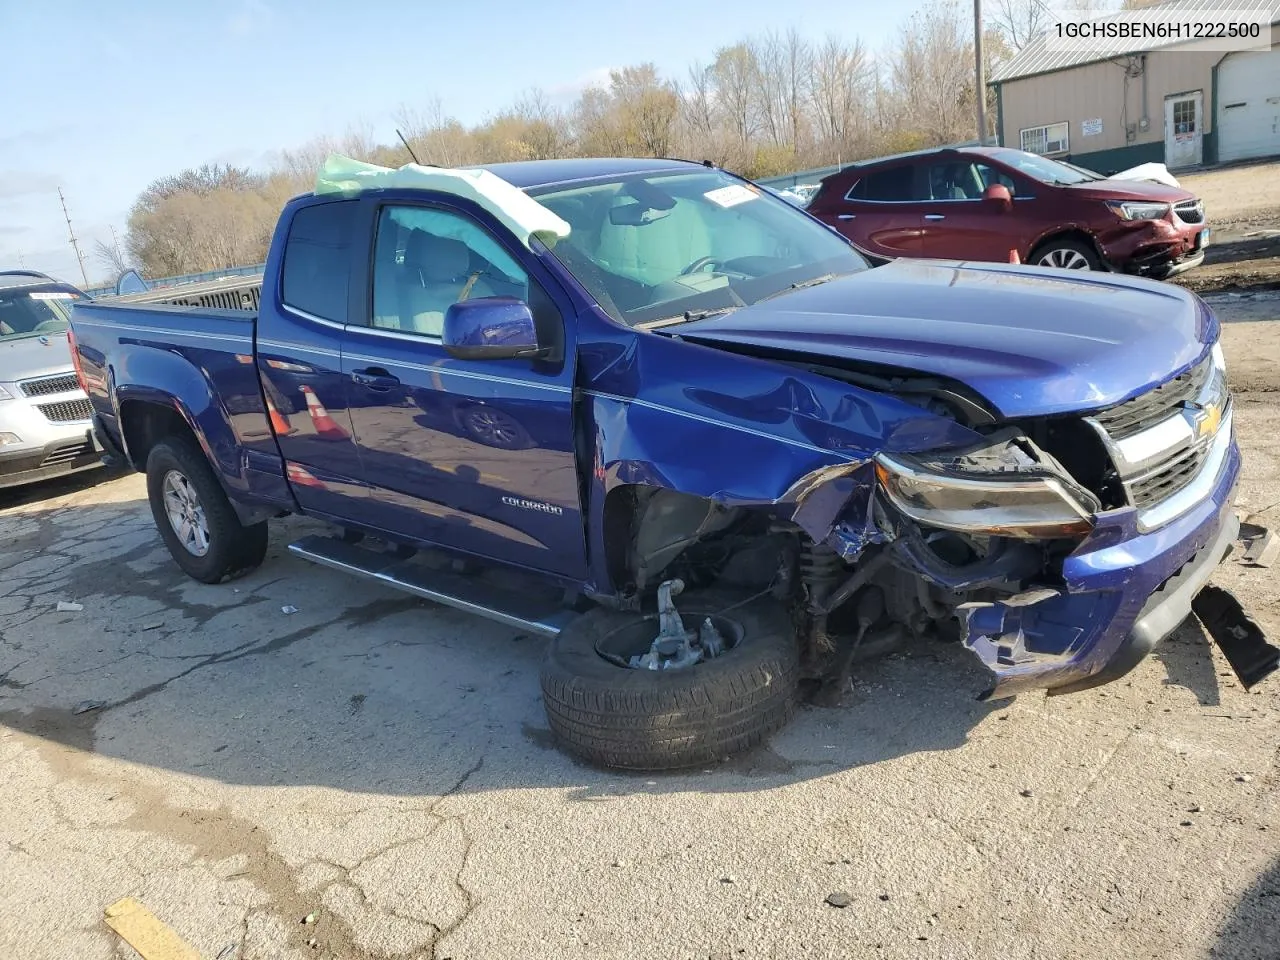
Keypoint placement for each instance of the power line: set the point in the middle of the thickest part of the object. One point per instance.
(75, 244)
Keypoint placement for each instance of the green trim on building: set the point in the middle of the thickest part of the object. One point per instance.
(1120, 158)
(999, 113)
(1211, 138)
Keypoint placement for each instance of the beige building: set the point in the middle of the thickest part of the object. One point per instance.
(1177, 104)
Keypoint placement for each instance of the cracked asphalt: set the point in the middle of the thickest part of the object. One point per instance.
(385, 765)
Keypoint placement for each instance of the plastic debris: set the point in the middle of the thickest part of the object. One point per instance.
(309, 918)
(1244, 778)
(226, 952)
(67, 606)
(839, 899)
(288, 609)
(1263, 551)
(1025, 793)
(84, 706)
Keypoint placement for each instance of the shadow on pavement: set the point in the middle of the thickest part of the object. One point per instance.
(362, 689)
(1188, 659)
(1252, 932)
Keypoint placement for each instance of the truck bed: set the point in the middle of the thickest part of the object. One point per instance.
(196, 363)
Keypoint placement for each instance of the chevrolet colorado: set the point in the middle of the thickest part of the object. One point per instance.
(727, 457)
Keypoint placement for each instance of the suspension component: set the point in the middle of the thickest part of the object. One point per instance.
(820, 569)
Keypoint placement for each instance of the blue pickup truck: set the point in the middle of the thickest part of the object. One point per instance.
(730, 461)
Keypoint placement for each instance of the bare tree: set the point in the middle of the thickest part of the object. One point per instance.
(1020, 21)
(109, 257)
(841, 86)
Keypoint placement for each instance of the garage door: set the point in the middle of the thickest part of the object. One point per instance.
(1249, 105)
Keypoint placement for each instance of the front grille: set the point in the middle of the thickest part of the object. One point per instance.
(48, 386)
(1133, 416)
(1189, 211)
(1169, 478)
(67, 453)
(68, 411)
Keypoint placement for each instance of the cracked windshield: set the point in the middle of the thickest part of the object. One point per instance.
(594, 482)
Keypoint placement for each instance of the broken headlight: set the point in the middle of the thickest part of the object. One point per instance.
(1009, 488)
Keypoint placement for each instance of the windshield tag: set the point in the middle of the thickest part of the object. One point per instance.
(731, 195)
(51, 295)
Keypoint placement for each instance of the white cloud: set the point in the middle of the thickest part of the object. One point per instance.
(563, 94)
(24, 183)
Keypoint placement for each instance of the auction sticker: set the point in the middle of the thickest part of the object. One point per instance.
(731, 195)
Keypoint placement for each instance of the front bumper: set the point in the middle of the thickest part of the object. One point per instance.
(1155, 248)
(1124, 591)
(57, 458)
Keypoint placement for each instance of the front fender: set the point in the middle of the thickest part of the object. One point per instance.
(743, 431)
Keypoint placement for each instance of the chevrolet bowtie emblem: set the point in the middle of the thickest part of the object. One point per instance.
(1208, 422)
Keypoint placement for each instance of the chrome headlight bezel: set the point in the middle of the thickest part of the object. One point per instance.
(1007, 494)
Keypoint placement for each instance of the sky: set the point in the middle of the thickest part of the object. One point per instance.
(102, 97)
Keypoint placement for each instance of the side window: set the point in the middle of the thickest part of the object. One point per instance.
(956, 180)
(426, 260)
(991, 175)
(317, 259)
(895, 184)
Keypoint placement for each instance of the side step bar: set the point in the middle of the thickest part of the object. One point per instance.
(545, 618)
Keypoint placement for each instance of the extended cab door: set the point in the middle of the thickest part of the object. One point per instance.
(471, 454)
(299, 357)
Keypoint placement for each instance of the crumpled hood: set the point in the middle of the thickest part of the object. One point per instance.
(25, 357)
(1032, 341)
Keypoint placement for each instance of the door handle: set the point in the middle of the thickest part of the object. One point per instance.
(375, 378)
(935, 216)
(845, 216)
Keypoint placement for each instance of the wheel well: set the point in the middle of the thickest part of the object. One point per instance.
(1076, 234)
(144, 424)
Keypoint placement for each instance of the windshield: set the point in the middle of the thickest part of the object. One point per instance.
(1044, 169)
(673, 246)
(34, 311)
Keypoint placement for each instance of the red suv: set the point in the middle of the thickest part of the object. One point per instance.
(984, 203)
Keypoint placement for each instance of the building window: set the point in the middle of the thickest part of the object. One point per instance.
(1046, 140)
(1184, 117)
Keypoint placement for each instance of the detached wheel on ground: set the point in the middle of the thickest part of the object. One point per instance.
(1067, 255)
(195, 518)
(604, 708)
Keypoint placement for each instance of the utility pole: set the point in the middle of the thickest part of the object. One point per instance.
(75, 245)
(115, 242)
(980, 84)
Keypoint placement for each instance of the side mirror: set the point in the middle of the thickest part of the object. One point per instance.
(999, 195)
(490, 328)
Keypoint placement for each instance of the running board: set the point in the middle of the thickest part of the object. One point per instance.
(470, 595)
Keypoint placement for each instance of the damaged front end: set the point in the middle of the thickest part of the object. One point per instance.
(997, 544)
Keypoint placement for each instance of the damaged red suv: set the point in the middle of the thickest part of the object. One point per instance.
(983, 203)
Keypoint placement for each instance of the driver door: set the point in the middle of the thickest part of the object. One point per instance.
(473, 455)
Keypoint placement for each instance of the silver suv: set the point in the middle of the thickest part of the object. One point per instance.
(44, 415)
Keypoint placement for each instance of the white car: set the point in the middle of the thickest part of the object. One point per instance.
(45, 428)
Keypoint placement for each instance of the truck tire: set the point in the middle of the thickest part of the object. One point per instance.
(636, 719)
(185, 496)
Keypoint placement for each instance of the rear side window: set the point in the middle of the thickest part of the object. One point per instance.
(317, 261)
(894, 184)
